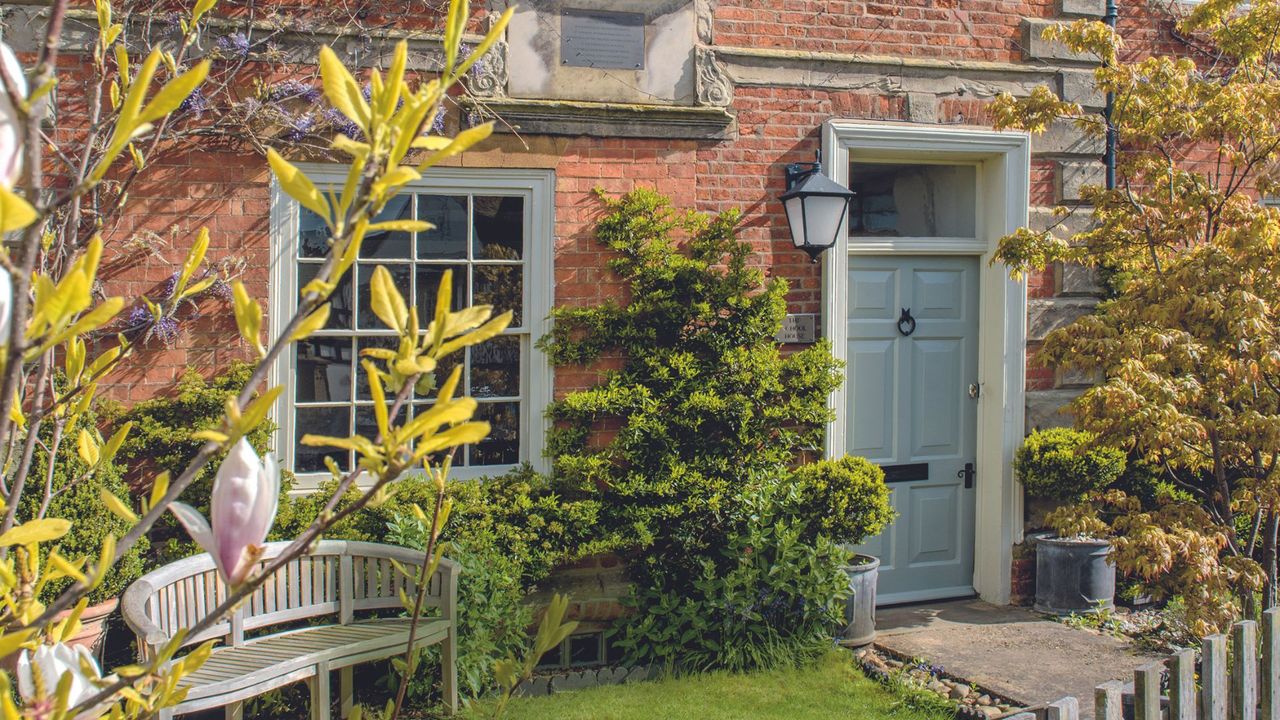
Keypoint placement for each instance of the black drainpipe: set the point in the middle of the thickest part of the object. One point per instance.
(1109, 159)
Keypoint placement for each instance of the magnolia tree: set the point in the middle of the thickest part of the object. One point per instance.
(1188, 341)
(52, 323)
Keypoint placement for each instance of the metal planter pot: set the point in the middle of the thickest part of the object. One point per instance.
(1074, 576)
(860, 607)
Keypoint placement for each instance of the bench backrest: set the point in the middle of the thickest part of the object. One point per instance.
(338, 577)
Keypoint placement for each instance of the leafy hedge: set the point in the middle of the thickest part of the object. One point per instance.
(732, 566)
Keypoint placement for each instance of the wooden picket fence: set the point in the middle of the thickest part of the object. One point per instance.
(1244, 686)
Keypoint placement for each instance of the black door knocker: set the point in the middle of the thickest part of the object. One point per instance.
(906, 323)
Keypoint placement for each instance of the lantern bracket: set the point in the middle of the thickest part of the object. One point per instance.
(799, 171)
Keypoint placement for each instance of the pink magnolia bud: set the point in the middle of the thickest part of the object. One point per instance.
(10, 136)
(52, 662)
(246, 493)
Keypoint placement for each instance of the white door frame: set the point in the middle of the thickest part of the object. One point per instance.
(1003, 160)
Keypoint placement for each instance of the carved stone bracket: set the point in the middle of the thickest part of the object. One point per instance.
(715, 89)
(489, 75)
(706, 10)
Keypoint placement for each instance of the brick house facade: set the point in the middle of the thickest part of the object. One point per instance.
(727, 93)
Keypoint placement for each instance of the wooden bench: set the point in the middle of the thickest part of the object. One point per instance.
(338, 578)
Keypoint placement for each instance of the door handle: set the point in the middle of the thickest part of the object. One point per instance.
(967, 475)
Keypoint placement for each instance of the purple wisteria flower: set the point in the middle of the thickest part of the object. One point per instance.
(437, 124)
(341, 123)
(300, 126)
(195, 104)
(235, 44)
(139, 317)
(220, 289)
(166, 328)
(293, 89)
(170, 285)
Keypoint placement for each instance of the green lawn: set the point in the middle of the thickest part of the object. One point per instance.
(833, 688)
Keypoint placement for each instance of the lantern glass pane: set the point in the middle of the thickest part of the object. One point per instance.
(795, 218)
(913, 200)
(824, 213)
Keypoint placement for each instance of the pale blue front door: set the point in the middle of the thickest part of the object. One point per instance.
(912, 409)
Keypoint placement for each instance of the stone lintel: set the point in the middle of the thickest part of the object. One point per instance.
(1045, 315)
(1082, 8)
(1073, 175)
(1047, 408)
(1035, 47)
(563, 117)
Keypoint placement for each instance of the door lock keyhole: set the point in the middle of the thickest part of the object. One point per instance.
(906, 323)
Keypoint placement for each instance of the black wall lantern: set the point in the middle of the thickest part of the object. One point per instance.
(816, 207)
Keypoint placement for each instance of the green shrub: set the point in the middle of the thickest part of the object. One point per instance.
(76, 497)
(767, 598)
(703, 402)
(846, 500)
(1065, 464)
(520, 511)
(493, 620)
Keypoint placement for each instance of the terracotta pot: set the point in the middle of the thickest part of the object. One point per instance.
(93, 624)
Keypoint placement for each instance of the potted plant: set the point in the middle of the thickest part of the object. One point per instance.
(850, 502)
(1066, 468)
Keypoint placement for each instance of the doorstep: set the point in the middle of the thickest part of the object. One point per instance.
(1008, 650)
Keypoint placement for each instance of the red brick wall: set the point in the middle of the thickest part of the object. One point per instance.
(227, 189)
(961, 29)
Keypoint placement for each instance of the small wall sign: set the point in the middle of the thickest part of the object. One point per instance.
(602, 39)
(798, 328)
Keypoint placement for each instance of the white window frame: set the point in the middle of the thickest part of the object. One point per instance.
(1004, 162)
(538, 186)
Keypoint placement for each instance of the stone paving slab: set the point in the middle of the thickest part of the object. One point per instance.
(1008, 650)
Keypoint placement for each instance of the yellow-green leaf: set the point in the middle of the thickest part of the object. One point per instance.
(36, 531)
(311, 324)
(174, 92)
(117, 506)
(87, 447)
(297, 185)
(15, 212)
(387, 302)
(341, 89)
(248, 316)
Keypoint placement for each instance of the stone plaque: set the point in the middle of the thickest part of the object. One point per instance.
(798, 329)
(602, 39)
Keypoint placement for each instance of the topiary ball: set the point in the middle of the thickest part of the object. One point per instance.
(1066, 464)
(845, 500)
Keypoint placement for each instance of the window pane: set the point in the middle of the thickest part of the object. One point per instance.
(501, 286)
(495, 368)
(900, 200)
(397, 245)
(313, 235)
(429, 284)
(339, 302)
(362, 377)
(400, 274)
(499, 228)
(448, 240)
(367, 421)
(334, 422)
(323, 370)
(502, 447)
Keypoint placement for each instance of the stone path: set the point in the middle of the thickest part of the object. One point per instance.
(1010, 651)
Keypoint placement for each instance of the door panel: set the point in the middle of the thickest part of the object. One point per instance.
(873, 364)
(909, 403)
